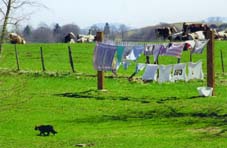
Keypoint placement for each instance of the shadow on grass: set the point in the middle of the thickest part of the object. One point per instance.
(162, 100)
(209, 116)
(95, 94)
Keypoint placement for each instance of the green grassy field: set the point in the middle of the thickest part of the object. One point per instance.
(128, 114)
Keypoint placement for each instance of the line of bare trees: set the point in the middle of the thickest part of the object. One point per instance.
(11, 14)
(56, 33)
(46, 34)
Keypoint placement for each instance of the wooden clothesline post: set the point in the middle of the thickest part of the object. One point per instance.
(100, 74)
(210, 61)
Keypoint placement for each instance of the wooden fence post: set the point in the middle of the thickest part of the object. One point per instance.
(210, 61)
(71, 59)
(42, 59)
(100, 74)
(222, 63)
(17, 58)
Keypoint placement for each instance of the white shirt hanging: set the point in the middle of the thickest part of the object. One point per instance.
(150, 72)
(140, 67)
(199, 46)
(179, 72)
(195, 70)
(165, 73)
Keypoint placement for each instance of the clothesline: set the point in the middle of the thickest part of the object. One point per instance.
(171, 72)
(146, 43)
(108, 56)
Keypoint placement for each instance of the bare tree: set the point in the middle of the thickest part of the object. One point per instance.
(57, 33)
(123, 30)
(107, 30)
(9, 10)
(27, 33)
(94, 29)
(42, 34)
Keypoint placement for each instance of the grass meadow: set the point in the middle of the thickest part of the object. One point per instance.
(127, 115)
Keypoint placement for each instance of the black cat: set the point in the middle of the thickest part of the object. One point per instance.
(45, 130)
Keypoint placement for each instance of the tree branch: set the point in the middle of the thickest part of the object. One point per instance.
(5, 2)
(2, 12)
(18, 19)
(22, 4)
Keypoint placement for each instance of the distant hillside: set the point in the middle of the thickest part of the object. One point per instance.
(148, 33)
(215, 20)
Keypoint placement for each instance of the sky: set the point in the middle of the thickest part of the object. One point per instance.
(134, 13)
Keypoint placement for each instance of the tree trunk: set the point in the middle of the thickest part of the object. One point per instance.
(5, 24)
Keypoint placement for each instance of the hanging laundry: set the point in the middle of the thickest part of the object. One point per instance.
(135, 53)
(148, 50)
(120, 52)
(165, 73)
(199, 46)
(156, 51)
(131, 56)
(179, 72)
(175, 50)
(109, 63)
(163, 49)
(195, 70)
(97, 57)
(150, 72)
(104, 57)
(140, 67)
(127, 51)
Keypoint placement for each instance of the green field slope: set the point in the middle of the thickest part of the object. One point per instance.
(126, 115)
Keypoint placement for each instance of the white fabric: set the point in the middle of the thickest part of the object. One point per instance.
(140, 67)
(135, 53)
(131, 56)
(156, 51)
(165, 73)
(199, 46)
(148, 50)
(195, 70)
(150, 72)
(205, 91)
(179, 72)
